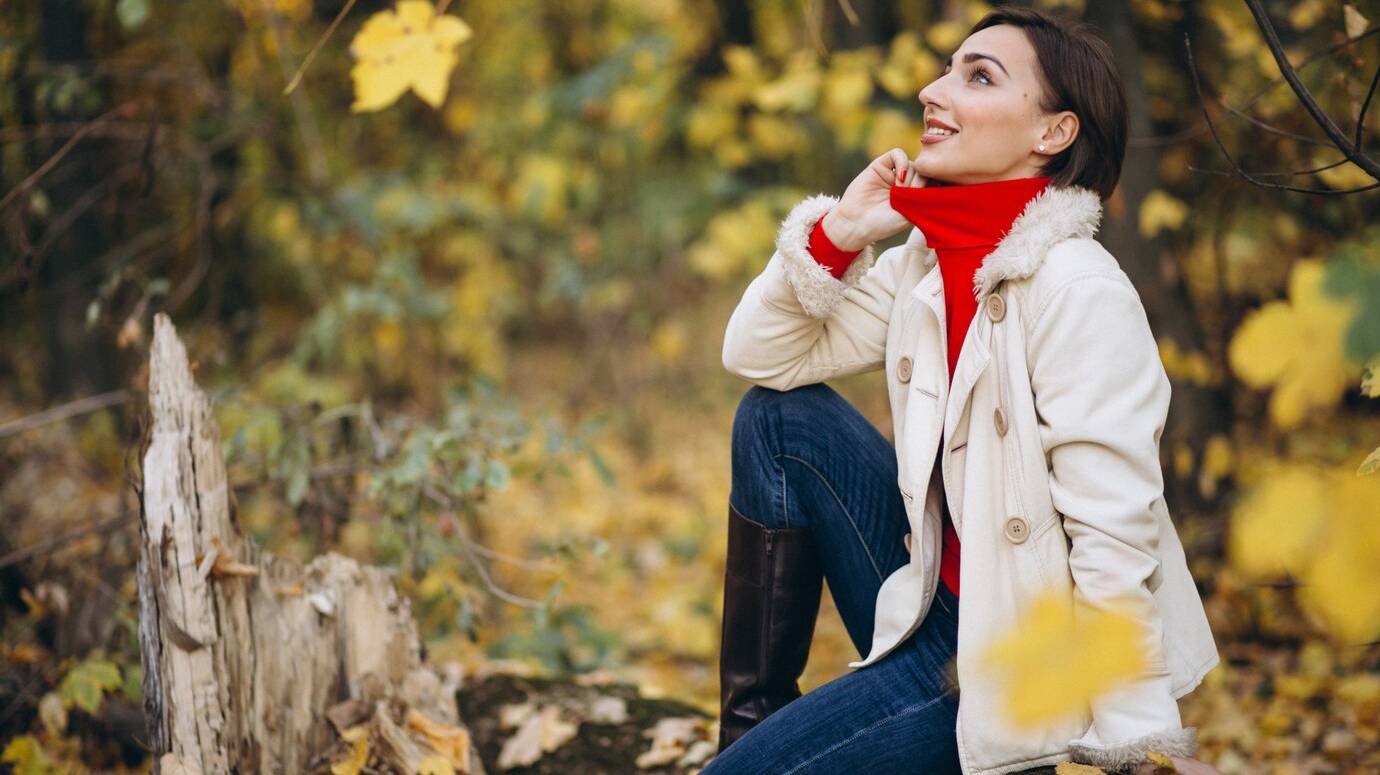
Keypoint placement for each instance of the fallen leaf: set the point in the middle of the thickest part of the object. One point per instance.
(542, 732)
(608, 710)
(451, 742)
(355, 758)
(670, 739)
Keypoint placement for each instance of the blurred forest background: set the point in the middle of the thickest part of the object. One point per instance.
(462, 315)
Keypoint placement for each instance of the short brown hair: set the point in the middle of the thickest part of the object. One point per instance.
(1079, 73)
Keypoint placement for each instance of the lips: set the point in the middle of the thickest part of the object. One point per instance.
(934, 123)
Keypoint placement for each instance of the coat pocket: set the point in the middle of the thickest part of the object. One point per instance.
(1049, 545)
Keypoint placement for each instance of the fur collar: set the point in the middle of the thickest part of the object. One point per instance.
(1052, 215)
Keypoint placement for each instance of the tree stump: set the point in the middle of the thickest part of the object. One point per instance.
(245, 653)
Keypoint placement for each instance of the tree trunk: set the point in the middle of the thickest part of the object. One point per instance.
(244, 653)
(1196, 412)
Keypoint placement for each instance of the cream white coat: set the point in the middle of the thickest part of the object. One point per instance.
(1046, 446)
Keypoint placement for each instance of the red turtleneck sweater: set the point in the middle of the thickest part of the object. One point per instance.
(963, 223)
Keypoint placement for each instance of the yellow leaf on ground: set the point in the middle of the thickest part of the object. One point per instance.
(435, 765)
(356, 758)
(540, 733)
(451, 742)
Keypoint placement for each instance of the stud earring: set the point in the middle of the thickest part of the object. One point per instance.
(1042, 146)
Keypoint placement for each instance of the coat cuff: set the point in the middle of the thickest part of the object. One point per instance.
(818, 291)
(1123, 757)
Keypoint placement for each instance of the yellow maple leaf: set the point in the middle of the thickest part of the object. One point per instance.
(1055, 662)
(1318, 525)
(410, 47)
(1279, 525)
(1296, 346)
(1340, 582)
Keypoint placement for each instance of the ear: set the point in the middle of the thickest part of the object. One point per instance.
(1060, 132)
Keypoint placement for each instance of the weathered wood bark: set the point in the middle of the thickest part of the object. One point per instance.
(243, 653)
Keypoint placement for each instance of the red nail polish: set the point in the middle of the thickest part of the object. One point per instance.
(903, 176)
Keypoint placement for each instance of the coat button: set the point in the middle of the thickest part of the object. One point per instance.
(1017, 530)
(907, 542)
(996, 308)
(999, 419)
(903, 369)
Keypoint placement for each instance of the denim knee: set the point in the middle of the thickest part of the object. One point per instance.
(760, 409)
(761, 424)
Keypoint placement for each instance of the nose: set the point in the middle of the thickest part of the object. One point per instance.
(929, 95)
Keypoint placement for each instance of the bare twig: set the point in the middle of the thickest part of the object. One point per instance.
(1274, 130)
(120, 130)
(302, 68)
(1202, 101)
(32, 257)
(63, 412)
(306, 121)
(119, 111)
(57, 542)
(1196, 130)
(1361, 117)
(467, 547)
(1333, 132)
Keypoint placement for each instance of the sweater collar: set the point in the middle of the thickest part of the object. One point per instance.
(1045, 215)
(968, 215)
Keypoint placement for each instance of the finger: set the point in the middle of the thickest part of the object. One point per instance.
(898, 162)
(912, 175)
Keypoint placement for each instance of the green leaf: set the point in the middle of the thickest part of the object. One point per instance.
(84, 684)
(27, 756)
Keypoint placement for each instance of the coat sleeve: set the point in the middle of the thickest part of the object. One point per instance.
(1102, 397)
(797, 324)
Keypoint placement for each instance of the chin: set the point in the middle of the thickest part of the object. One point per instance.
(940, 174)
(951, 174)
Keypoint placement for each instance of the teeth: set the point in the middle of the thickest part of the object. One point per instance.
(938, 131)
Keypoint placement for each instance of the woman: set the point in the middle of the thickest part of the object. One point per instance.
(1027, 400)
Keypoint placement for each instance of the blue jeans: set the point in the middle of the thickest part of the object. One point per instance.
(807, 458)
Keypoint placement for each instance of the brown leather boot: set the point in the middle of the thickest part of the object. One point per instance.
(772, 585)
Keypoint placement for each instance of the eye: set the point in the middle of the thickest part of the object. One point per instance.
(982, 72)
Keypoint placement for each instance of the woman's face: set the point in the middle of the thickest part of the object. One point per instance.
(993, 103)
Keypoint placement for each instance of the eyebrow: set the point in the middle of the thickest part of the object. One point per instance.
(975, 56)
